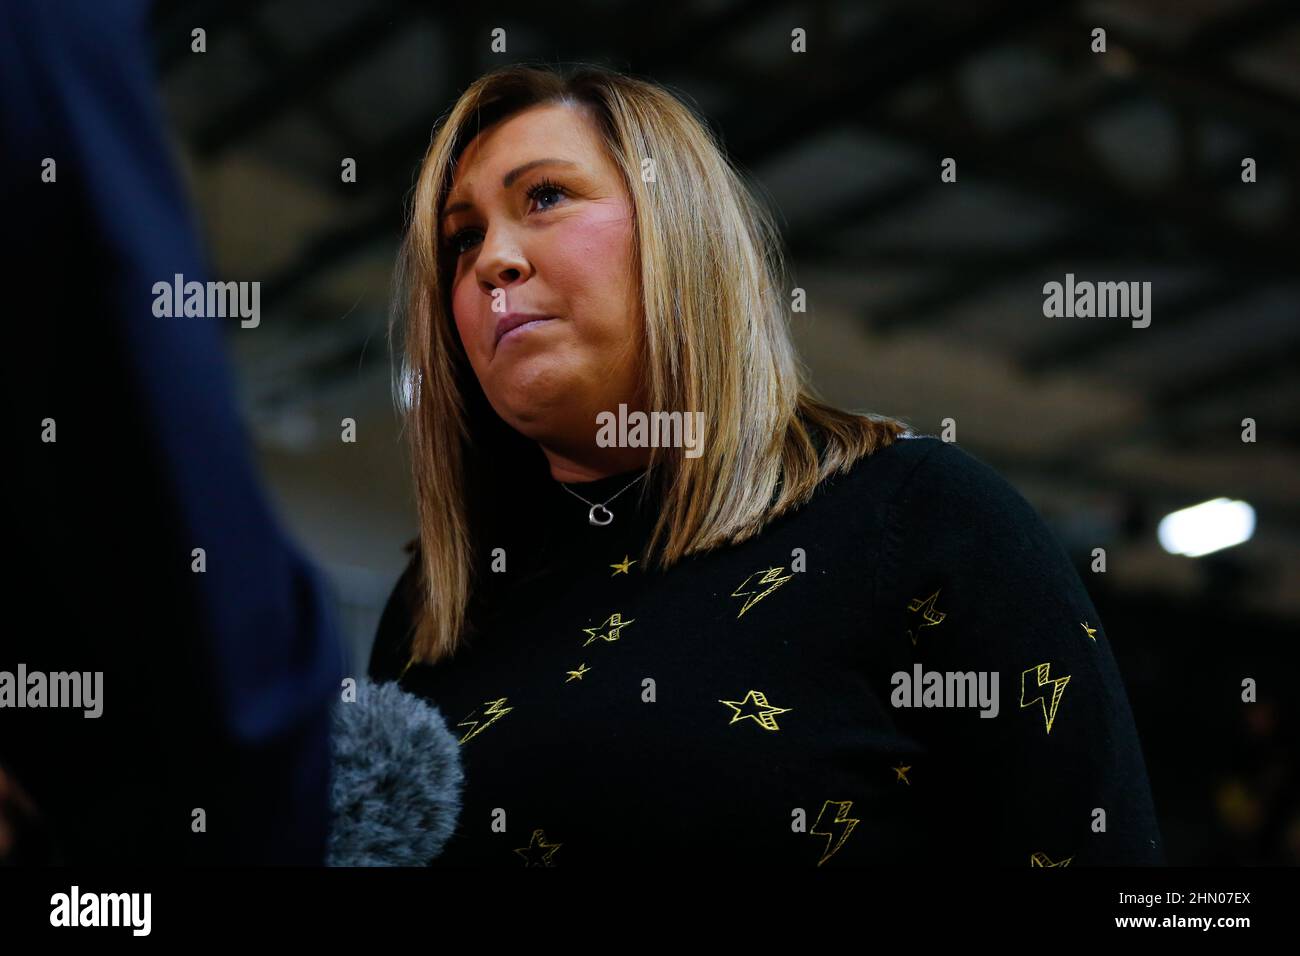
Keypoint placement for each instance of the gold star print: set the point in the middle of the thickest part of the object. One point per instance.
(770, 576)
(928, 615)
(1042, 678)
(1042, 859)
(1090, 631)
(902, 774)
(835, 824)
(494, 710)
(577, 675)
(538, 852)
(766, 715)
(614, 622)
(622, 566)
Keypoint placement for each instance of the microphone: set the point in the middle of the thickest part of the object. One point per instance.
(396, 779)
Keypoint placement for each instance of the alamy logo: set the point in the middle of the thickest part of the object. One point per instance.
(209, 299)
(1085, 300)
(653, 430)
(102, 909)
(59, 689)
(946, 689)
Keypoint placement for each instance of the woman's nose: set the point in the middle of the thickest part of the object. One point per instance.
(500, 262)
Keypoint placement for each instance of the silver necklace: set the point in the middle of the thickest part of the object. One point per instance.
(599, 515)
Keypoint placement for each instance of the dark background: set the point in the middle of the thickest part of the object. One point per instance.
(925, 298)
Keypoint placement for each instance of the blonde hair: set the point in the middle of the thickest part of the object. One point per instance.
(713, 288)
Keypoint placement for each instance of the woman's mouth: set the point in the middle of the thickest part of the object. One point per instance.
(516, 324)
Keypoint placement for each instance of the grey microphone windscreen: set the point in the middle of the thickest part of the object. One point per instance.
(395, 787)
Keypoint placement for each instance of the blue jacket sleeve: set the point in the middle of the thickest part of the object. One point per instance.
(217, 685)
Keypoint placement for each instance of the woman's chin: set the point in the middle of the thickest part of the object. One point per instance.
(532, 390)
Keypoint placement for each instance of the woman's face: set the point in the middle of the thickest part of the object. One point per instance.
(538, 221)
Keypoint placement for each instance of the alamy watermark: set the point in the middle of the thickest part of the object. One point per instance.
(1085, 300)
(75, 908)
(651, 430)
(946, 689)
(73, 689)
(209, 299)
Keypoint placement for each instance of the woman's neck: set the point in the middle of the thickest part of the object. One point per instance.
(601, 464)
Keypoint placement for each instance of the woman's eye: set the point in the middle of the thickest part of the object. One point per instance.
(454, 242)
(544, 188)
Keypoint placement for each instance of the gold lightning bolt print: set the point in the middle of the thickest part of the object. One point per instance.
(578, 674)
(902, 774)
(614, 622)
(765, 715)
(926, 615)
(406, 668)
(495, 710)
(835, 824)
(1090, 631)
(538, 852)
(1041, 679)
(770, 576)
(1042, 859)
(622, 566)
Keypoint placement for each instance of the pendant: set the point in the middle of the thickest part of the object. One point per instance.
(594, 519)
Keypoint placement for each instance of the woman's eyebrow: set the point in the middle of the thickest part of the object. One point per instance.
(509, 178)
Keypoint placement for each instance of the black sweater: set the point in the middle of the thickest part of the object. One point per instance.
(743, 705)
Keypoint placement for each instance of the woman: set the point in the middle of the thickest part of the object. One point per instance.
(707, 653)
